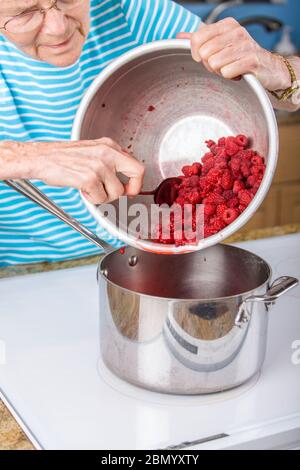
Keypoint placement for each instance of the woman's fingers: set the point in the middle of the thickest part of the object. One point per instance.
(232, 39)
(95, 193)
(209, 32)
(225, 48)
(111, 160)
(183, 35)
(113, 186)
(224, 57)
(134, 170)
(110, 143)
(90, 166)
(240, 67)
(91, 186)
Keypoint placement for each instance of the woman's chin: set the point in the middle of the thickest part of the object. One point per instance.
(61, 61)
(62, 56)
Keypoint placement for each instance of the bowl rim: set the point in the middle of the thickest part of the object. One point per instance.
(245, 294)
(255, 85)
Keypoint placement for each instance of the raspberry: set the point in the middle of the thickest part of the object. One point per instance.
(195, 197)
(242, 140)
(255, 188)
(217, 223)
(221, 163)
(205, 186)
(238, 186)
(245, 170)
(208, 165)
(245, 197)
(222, 142)
(209, 209)
(231, 147)
(187, 170)
(251, 180)
(214, 198)
(227, 181)
(221, 153)
(233, 202)
(197, 167)
(202, 182)
(218, 189)
(209, 230)
(194, 181)
(214, 176)
(214, 149)
(235, 164)
(210, 143)
(207, 157)
(221, 208)
(180, 200)
(257, 160)
(229, 215)
(227, 194)
(258, 170)
(237, 175)
(248, 154)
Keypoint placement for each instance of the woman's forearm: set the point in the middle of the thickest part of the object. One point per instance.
(15, 160)
(286, 83)
(91, 166)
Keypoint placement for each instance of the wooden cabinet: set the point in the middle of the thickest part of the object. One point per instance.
(282, 204)
(290, 204)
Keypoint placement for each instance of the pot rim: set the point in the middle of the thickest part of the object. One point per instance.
(174, 299)
(268, 111)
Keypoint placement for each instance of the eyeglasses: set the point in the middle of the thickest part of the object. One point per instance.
(32, 20)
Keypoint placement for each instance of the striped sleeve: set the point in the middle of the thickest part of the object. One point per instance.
(152, 20)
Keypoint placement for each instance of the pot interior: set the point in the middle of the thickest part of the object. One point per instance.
(216, 272)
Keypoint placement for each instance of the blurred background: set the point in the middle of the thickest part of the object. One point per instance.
(275, 25)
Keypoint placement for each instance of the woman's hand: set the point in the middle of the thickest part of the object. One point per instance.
(226, 48)
(89, 165)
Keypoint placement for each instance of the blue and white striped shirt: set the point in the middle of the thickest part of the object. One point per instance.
(38, 102)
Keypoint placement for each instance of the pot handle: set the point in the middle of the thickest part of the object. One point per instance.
(279, 287)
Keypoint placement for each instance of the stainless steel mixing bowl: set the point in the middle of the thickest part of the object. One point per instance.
(159, 104)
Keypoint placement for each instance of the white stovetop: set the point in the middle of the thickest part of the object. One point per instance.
(50, 377)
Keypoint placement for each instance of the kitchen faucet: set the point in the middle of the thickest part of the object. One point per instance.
(219, 9)
(270, 24)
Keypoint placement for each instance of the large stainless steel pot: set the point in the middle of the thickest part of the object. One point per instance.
(189, 324)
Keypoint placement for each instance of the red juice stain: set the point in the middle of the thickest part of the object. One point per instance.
(103, 105)
(122, 251)
(151, 108)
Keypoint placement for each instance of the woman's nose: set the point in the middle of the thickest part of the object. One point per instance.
(55, 23)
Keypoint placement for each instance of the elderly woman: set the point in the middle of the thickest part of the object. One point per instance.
(50, 51)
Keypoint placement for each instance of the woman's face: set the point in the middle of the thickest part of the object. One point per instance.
(57, 37)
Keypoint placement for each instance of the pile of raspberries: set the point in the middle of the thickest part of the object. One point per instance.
(225, 181)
